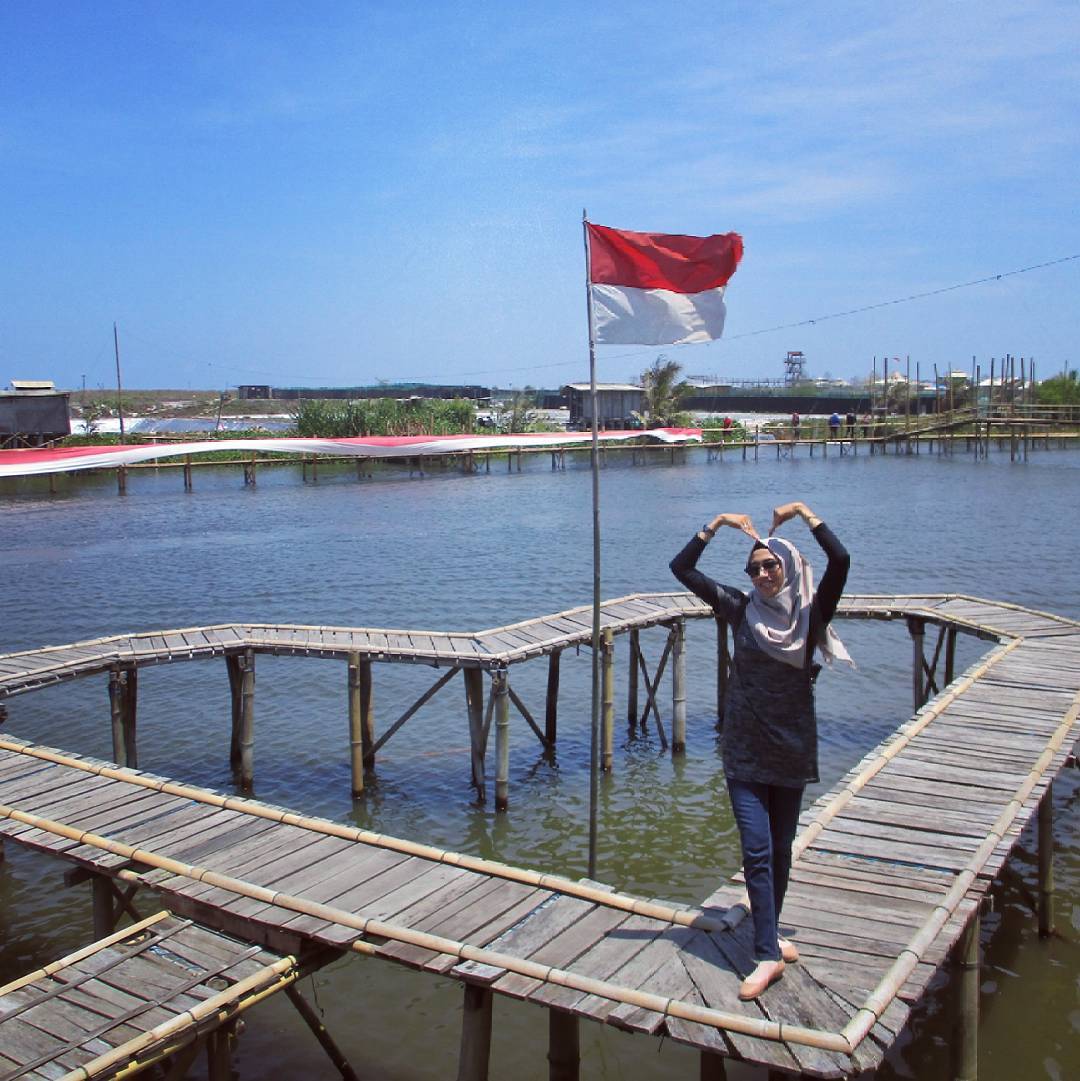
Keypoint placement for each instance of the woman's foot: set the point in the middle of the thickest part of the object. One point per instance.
(766, 973)
(788, 951)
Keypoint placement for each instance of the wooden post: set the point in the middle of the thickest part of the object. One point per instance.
(367, 712)
(950, 654)
(607, 661)
(218, 1055)
(356, 727)
(916, 628)
(121, 480)
(551, 711)
(474, 704)
(564, 1046)
(247, 719)
(712, 1067)
(103, 917)
(232, 666)
(1046, 862)
(116, 711)
(319, 1031)
(678, 688)
(476, 1028)
(632, 678)
(130, 696)
(722, 665)
(187, 473)
(966, 1035)
(500, 690)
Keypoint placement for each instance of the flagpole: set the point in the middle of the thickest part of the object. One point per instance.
(594, 747)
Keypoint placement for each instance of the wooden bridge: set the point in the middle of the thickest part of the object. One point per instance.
(890, 869)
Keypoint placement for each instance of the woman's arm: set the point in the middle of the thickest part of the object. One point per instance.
(839, 562)
(725, 600)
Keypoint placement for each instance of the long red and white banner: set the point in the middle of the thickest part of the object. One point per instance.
(659, 288)
(25, 463)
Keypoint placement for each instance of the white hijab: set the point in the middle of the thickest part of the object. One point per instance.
(780, 624)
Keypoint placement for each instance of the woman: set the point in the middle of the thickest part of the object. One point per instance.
(770, 731)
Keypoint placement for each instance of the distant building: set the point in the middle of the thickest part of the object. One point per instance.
(33, 412)
(249, 391)
(616, 404)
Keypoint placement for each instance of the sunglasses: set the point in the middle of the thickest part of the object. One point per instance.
(766, 565)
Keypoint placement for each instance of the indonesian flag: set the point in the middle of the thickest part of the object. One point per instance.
(659, 288)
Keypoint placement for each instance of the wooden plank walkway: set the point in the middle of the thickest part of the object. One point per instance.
(139, 995)
(890, 866)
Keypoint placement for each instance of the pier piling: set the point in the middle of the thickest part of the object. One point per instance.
(501, 693)
(1046, 862)
(475, 1034)
(678, 687)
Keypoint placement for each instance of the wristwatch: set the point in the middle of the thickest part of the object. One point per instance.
(708, 530)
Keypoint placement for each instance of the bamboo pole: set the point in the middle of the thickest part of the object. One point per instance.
(356, 729)
(500, 693)
(1046, 862)
(966, 1037)
(632, 678)
(607, 659)
(678, 687)
(474, 705)
(319, 1031)
(247, 719)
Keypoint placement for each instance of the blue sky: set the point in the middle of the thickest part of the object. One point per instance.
(339, 193)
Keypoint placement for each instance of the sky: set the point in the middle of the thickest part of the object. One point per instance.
(339, 193)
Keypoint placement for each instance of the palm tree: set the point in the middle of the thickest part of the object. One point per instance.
(663, 395)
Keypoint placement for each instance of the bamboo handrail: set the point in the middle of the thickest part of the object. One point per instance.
(637, 906)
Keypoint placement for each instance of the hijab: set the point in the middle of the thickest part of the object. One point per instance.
(780, 625)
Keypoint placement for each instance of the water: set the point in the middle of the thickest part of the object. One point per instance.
(466, 552)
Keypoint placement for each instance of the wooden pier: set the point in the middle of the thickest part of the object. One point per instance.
(891, 867)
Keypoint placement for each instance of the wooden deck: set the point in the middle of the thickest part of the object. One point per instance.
(890, 866)
(149, 991)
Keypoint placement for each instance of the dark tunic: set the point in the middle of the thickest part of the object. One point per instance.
(770, 731)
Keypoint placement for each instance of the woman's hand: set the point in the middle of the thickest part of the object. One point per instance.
(786, 511)
(735, 521)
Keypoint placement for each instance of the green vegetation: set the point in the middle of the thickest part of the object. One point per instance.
(330, 419)
(663, 396)
(1062, 389)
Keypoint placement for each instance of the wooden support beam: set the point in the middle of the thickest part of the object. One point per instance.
(232, 666)
(425, 697)
(551, 701)
(367, 712)
(564, 1046)
(950, 655)
(523, 710)
(917, 629)
(356, 738)
(632, 678)
(326, 1042)
(474, 703)
(116, 713)
(965, 1041)
(713, 1067)
(607, 685)
(247, 719)
(651, 687)
(130, 698)
(104, 918)
(1046, 862)
(501, 697)
(678, 687)
(219, 1055)
(475, 1055)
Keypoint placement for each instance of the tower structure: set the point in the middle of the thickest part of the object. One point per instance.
(794, 368)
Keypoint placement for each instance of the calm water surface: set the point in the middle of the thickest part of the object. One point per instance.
(466, 552)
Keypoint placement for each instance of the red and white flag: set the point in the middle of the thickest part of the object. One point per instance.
(659, 288)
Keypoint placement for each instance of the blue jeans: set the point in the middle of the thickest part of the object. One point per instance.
(767, 816)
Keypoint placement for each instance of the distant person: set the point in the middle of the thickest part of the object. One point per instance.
(851, 425)
(796, 420)
(866, 422)
(769, 742)
(727, 424)
(834, 425)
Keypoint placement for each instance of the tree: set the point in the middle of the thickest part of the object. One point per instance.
(663, 395)
(1062, 389)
